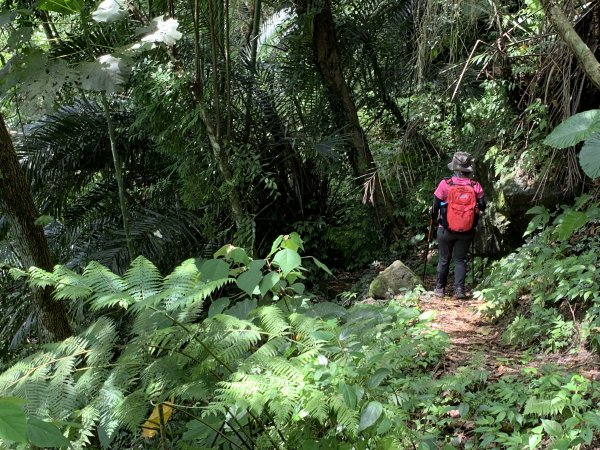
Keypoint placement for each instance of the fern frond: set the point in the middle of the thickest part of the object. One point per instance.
(190, 305)
(317, 407)
(101, 336)
(272, 319)
(192, 391)
(71, 285)
(147, 321)
(346, 417)
(142, 279)
(164, 373)
(133, 410)
(109, 397)
(307, 328)
(184, 277)
(545, 407)
(276, 346)
(89, 417)
(101, 280)
(39, 278)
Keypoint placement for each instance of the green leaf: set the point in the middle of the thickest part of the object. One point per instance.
(322, 266)
(298, 288)
(61, 6)
(292, 241)
(256, 264)
(575, 129)
(463, 409)
(109, 11)
(13, 423)
(348, 394)
(589, 156)
(249, 280)
(213, 269)
(571, 222)
(218, 306)
(268, 281)
(44, 220)
(534, 441)
(242, 309)
(592, 419)
(552, 427)
(378, 377)
(238, 255)
(44, 434)
(370, 415)
(276, 244)
(287, 260)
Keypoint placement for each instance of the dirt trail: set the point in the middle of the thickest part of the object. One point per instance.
(472, 335)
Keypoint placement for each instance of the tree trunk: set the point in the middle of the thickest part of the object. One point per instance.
(587, 61)
(17, 202)
(327, 59)
(243, 220)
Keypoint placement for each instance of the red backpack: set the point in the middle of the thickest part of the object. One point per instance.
(461, 206)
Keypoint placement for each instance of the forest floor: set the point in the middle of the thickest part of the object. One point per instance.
(475, 337)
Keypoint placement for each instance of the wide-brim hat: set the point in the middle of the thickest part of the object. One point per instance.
(461, 162)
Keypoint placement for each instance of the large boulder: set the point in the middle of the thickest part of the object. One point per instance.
(393, 280)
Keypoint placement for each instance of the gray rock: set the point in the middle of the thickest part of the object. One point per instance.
(393, 280)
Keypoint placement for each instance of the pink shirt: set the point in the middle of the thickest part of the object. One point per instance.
(441, 191)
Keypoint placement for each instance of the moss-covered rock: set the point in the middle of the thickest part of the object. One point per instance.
(393, 280)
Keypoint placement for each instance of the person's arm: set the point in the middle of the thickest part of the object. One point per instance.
(435, 210)
(481, 203)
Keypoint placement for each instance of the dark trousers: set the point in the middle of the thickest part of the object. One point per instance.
(455, 246)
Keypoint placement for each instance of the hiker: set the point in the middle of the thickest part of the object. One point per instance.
(457, 202)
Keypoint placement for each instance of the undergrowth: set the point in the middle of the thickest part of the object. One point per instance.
(233, 353)
(551, 285)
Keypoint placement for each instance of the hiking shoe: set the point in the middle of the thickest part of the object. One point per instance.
(460, 293)
(438, 292)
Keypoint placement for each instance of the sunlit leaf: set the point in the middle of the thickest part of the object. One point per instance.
(575, 129)
(161, 30)
(287, 260)
(571, 222)
(109, 11)
(61, 6)
(107, 73)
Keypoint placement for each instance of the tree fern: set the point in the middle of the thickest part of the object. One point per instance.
(142, 279)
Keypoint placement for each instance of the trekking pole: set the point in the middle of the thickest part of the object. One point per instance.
(428, 243)
(473, 279)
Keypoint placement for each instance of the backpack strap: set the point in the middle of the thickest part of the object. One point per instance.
(449, 181)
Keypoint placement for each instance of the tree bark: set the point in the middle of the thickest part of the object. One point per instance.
(586, 59)
(16, 201)
(328, 62)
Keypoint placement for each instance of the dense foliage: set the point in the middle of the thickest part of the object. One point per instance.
(231, 352)
(552, 282)
(151, 133)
